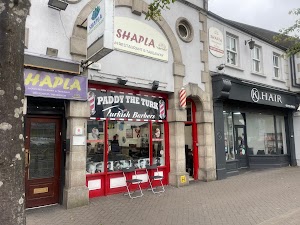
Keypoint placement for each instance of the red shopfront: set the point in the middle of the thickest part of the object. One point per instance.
(127, 128)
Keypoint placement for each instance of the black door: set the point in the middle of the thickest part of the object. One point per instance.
(241, 145)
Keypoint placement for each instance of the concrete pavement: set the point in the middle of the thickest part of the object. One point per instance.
(269, 197)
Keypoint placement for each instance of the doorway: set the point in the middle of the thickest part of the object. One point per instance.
(191, 148)
(241, 145)
(42, 160)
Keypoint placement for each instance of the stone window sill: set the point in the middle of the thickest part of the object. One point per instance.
(258, 74)
(234, 67)
(279, 80)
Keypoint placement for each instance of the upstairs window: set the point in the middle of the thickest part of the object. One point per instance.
(276, 63)
(256, 59)
(231, 46)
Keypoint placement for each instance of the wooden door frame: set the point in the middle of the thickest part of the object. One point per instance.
(57, 172)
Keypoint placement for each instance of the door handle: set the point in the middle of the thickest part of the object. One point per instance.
(27, 158)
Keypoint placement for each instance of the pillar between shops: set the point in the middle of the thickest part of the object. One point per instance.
(178, 176)
(76, 192)
(219, 142)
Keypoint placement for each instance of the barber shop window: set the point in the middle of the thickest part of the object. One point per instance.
(128, 145)
(95, 147)
(158, 145)
(266, 134)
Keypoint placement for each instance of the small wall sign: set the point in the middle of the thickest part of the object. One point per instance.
(182, 179)
(78, 131)
(216, 42)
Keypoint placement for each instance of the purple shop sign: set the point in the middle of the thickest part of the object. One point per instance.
(53, 85)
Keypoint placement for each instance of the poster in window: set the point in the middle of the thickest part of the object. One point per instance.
(129, 133)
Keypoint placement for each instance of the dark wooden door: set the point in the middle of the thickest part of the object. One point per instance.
(42, 160)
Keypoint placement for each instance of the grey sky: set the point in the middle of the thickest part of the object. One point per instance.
(269, 14)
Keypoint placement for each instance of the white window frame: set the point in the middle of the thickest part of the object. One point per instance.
(232, 50)
(257, 59)
(276, 67)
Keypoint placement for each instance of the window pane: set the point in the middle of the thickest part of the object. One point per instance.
(42, 150)
(238, 118)
(256, 66)
(158, 142)
(233, 44)
(260, 132)
(281, 138)
(227, 42)
(276, 72)
(231, 58)
(228, 136)
(95, 147)
(275, 60)
(257, 53)
(128, 145)
(188, 111)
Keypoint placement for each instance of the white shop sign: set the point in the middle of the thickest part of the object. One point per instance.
(216, 42)
(138, 38)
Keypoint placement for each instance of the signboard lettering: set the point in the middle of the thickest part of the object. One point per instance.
(119, 105)
(216, 42)
(52, 85)
(256, 96)
(138, 38)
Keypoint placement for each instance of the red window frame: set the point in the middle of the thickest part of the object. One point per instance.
(105, 176)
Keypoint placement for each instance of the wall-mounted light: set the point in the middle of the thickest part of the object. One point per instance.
(155, 85)
(251, 43)
(121, 81)
(58, 4)
(221, 66)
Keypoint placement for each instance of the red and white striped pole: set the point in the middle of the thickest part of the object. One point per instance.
(182, 98)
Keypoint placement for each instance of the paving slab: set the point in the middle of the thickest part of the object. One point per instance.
(266, 197)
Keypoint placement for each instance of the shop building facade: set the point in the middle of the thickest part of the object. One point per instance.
(253, 103)
(131, 115)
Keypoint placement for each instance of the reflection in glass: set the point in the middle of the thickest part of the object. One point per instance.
(261, 134)
(158, 144)
(281, 138)
(95, 147)
(228, 136)
(42, 150)
(128, 145)
(189, 111)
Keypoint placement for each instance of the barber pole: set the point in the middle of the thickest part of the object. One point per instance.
(182, 97)
(162, 112)
(92, 102)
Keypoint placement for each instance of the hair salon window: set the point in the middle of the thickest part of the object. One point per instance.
(228, 136)
(231, 46)
(265, 134)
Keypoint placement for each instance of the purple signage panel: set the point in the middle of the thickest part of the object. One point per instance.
(53, 85)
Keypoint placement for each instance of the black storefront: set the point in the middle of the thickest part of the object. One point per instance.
(253, 125)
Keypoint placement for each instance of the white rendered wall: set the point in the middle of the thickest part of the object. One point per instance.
(244, 68)
(53, 29)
